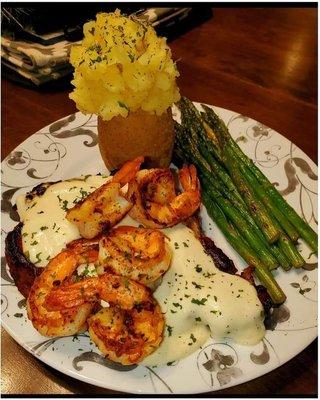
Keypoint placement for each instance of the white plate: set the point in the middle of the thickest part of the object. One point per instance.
(68, 148)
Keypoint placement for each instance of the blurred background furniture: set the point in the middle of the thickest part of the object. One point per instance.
(260, 62)
(36, 40)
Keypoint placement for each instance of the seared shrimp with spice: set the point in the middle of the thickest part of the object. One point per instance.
(127, 331)
(107, 205)
(154, 198)
(141, 254)
(67, 320)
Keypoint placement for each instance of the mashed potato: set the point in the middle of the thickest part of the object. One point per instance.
(121, 66)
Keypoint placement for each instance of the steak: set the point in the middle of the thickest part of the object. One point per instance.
(21, 269)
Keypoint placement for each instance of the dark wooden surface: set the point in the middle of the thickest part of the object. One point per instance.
(259, 62)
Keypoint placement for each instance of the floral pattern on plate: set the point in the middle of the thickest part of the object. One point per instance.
(68, 148)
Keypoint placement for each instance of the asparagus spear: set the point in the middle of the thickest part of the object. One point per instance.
(285, 253)
(225, 140)
(192, 118)
(261, 194)
(285, 246)
(197, 135)
(245, 229)
(277, 252)
(189, 114)
(288, 248)
(244, 250)
(255, 206)
(301, 226)
(189, 152)
(292, 251)
(306, 232)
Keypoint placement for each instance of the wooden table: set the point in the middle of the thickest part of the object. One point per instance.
(259, 62)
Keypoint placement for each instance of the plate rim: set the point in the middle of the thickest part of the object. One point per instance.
(68, 372)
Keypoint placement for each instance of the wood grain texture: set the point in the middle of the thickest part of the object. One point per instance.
(259, 62)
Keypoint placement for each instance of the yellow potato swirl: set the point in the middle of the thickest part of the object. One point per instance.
(120, 66)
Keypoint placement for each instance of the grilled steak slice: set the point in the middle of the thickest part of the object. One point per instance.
(21, 269)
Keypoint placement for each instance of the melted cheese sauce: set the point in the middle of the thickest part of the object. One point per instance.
(46, 231)
(200, 301)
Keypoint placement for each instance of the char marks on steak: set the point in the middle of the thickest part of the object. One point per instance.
(262, 292)
(224, 264)
(221, 260)
(21, 269)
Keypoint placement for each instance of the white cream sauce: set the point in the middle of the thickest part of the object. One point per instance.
(46, 231)
(199, 300)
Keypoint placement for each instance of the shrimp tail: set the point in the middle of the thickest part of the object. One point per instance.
(188, 178)
(128, 171)
(73, 295)
(116, 290)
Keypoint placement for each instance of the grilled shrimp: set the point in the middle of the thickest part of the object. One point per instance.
(106, 206)
(127, 337)
(115, 289)
(127, 331)
(138, 253)
(155, 202)
(66, 321)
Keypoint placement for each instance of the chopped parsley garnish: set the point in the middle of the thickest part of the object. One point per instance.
(86, 270)
(169, 329)
(38, 257)
(177, 305)
(208, 274)
(193, 338)
(196, 285)
(65, 205)
(199, 302)
(198, 268)
(198, 319)
(43, 228)
(83, 193)
(33, 243)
